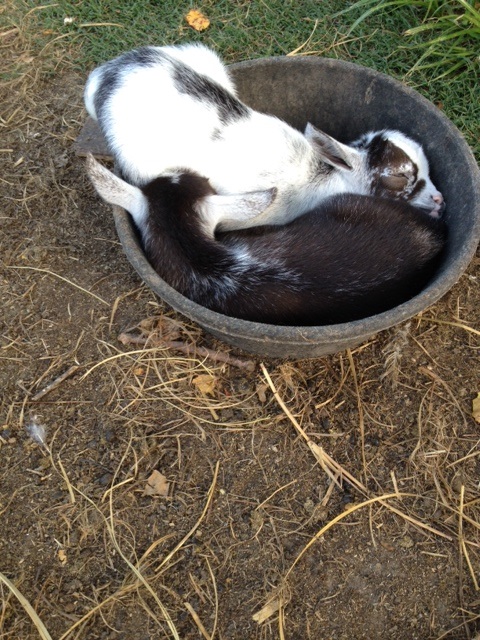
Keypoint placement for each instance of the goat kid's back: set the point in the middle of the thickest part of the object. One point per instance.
(165, 108)
(352, 257)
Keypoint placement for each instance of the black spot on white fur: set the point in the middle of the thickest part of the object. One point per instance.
(205, 90)
(113, 70)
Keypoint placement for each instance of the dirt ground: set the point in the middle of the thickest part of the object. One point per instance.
(238, 513)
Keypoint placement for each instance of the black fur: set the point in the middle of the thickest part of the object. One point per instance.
(352, 257)
(204, 89)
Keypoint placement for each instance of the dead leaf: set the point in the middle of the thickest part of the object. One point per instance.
(157, 485)
(260, 390)
(406, 542)
(205, 383)
(62, 556)
(197, 20)
(476, 408)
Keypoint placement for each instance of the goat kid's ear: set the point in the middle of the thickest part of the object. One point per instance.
(330, 150)
(114, 190)
(237, 211)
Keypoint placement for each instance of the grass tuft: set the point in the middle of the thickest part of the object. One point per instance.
(454, 27)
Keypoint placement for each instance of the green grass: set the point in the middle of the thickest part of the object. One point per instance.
(367, 32)
(452, 28)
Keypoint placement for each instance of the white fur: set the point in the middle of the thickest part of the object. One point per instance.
(197, 56)
(116, 191)
(231, 210)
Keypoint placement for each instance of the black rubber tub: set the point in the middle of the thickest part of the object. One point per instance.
(345, 100)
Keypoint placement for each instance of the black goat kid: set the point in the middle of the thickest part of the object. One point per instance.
(352, 257)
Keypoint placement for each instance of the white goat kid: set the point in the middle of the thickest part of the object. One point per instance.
(165, 109)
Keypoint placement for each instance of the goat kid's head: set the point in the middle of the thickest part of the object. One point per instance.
(398, 168)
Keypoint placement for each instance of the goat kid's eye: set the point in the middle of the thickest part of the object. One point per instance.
(395, 183)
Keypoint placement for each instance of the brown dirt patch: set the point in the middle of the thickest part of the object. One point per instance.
(97, 558)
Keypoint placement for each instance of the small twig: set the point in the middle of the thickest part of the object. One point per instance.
(55, 383)
(189, 350)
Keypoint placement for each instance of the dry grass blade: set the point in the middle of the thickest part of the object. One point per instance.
(336, 520)
(56, 275)
(283, 405)
(281, 619)
(327, 462)
(307, 41)
(197, 621)
(275, 604)
(70, 488)
(42, 630)
(101, 24)
(262, 504)
(361, 422)
(329, 466)
(116, 356)
(461, 539)
(437, 378)
(415, 522)
(267, 611)
(465, 327)
(197, 524)
(215, 591)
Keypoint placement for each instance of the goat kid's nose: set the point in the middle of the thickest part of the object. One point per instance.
(439, 206)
